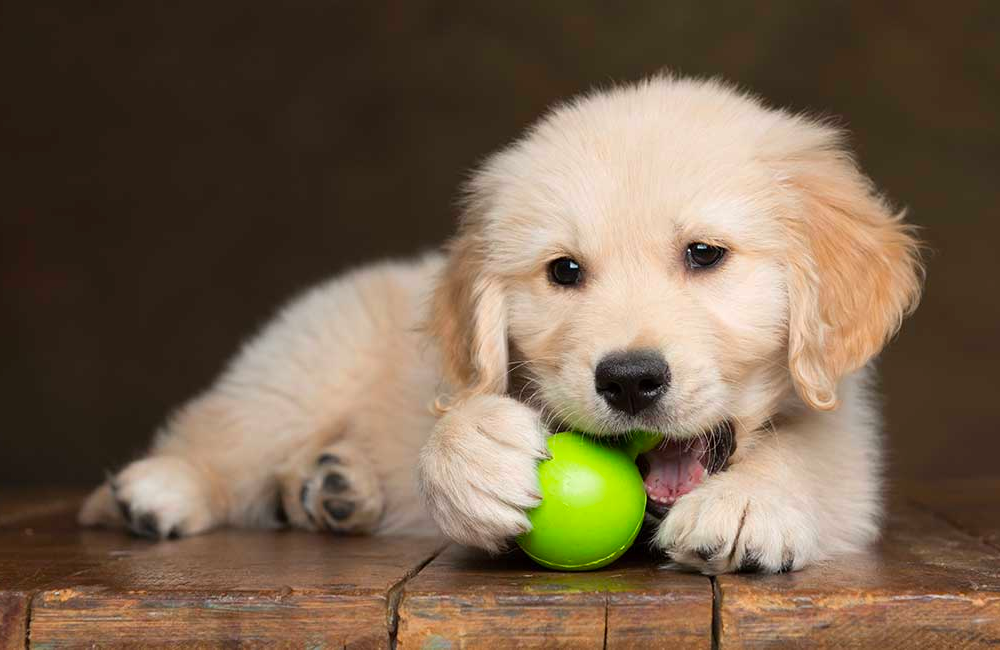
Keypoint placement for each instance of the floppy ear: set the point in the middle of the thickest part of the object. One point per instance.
(854, 270)
(469, 319)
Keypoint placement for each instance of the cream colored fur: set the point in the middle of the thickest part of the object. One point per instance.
(819, 273)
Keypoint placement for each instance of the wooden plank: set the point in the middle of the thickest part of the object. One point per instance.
(50, 550)
(13, 620)
(20, 572)
(971, 504)
(259, 587)
(927, 585)
(467, 599)
(105, 588)
(93, 618)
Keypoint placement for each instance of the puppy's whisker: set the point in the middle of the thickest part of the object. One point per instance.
(513, 367)
(527, 383)
(559, 416)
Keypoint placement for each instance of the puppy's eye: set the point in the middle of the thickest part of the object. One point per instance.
(701, 255)
(565, 271)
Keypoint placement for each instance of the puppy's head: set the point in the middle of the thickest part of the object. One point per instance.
(671, 256)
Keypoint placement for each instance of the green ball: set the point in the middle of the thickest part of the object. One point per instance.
(593, 503)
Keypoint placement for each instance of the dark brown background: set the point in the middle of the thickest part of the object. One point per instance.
(172, 172)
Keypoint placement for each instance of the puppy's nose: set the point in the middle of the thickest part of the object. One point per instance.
(633, 380)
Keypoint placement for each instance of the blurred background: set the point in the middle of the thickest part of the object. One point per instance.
(171, 173)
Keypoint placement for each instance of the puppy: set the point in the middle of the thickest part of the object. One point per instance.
(670, 256)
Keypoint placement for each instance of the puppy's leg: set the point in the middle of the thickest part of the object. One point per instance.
(478, 471)
(159, 496)
(348, 348)
(196, 477)
(798, 495)
(332, 488)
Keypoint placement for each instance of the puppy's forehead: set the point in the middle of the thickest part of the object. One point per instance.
(640, 171)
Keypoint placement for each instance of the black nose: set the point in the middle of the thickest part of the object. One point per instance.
(633, 380)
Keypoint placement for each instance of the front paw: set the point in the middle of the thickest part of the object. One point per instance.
(479, 471)
(733, 523)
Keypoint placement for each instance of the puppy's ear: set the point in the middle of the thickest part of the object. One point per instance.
(469, 319)
(854, 268)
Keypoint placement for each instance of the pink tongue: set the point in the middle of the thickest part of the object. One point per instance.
(674, 470)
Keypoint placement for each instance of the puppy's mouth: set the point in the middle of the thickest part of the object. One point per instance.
(677, 467)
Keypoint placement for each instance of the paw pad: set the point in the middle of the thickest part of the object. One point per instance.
(339, 509)
(336, 493)
(706, 553)
(335, 483)
(750, 564)
(145, 524)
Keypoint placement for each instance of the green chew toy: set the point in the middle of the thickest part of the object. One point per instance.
(593, 502)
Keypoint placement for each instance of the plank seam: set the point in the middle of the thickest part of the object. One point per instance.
(716, 613)
(394, 596)
(607, 607)
(28, 610)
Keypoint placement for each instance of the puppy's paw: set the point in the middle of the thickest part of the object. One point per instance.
(159, 497)
(731, 523)
(335, 489)
(479, 471)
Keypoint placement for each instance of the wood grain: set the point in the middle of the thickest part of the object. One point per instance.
(971, 504)
(288, 587)
(466, 599)
(104, 588)
(933, 582)
(13, 620)
(927, 585)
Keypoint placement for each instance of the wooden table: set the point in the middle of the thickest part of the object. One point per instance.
(933, 582)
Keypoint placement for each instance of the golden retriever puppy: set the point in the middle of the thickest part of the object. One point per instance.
(671, 256)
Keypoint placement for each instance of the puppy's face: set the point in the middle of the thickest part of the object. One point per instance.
(644, 299)
(675, 257)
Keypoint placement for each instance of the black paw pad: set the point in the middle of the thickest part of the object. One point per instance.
(706, 553)
(750, 564)
(280, 515)
(304, 499)
(339, 509)
(146, 525)
(335, 483)
(125, 510)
